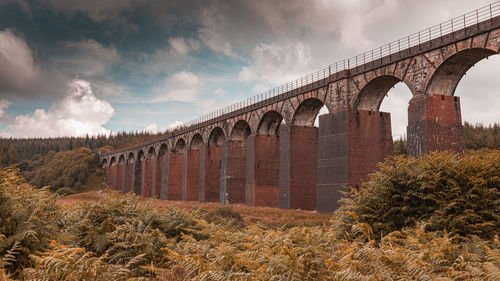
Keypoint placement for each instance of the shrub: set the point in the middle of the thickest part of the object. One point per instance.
(447, 191)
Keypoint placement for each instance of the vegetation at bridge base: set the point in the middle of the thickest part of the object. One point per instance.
(123, 238)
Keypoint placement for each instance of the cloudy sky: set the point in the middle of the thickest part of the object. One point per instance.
(70, 67)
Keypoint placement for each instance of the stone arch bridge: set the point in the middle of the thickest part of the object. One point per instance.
(267, 152)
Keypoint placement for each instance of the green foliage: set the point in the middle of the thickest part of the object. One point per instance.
(478, 136)
(8, 155)
(62, 169)
(454, 192)
(123, 238)
(28, 218)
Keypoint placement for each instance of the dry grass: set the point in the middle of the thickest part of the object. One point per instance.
(251, 215)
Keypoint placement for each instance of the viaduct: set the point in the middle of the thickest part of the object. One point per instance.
(266, 151)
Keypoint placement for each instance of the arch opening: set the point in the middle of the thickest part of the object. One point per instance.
(445, 79)
(130, 158)
(151, 153)
(306, 113)
(162, 150)
(196, 142)
(270, 123)
(180, 146)
(112, 162)
(216, 137)
(240, 131)
(372, 95)
(121, 160)
(104, 163)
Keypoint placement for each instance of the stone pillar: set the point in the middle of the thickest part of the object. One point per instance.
(124, 173)
(298, 167)
(201, 187)
(158, 177)
(192, 174)
(164, 176)
(350, 144)
(213, 159)
(184, 174)
(435, 124)
(175, 176)
(233, 172)
(138, 175)
(113, 171)
(132, 177)
(143, 176)
(262, 171)
(147, 178)
(119, 176)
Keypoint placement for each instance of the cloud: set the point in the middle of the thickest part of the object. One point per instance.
(152, 128)
(275, 64)
(182, 86)
(4, 105)
(182, 47)
(88, 57)
(78, 114)
(17, 64)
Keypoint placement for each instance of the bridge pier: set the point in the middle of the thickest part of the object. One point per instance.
(298, 155)
(350, 144)
(213, 173)
(192, 174)
(149, 177)
(175, 176)
(233, 172)
(165, 170)
(435, 124)
(138, 172)
(119, 176)
(262, 171)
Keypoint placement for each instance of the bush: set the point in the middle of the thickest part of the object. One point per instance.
(446, 191)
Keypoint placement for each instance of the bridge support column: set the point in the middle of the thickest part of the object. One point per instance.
(156, 192)
(201, 187)
(233, 172)
(164, 176)
(119, 176)
(298, 154)
(138, 175)
(262, 171)
(175, 176)
(113, 171)
(149, 177)
(124, 173)
(130, 186)
(435, 124)
(192, 174)
(213, 161)
(350, 144)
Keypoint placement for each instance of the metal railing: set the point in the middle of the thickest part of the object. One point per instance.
(417, 39)
(396, 47)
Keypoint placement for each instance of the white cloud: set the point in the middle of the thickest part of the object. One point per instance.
(79, 113)
(4, 105)
(174, 124)
(276, 64)
(181, 46)
(213, 31)
(182, 86)
(219, 92)
(17, 65)
(152, 128)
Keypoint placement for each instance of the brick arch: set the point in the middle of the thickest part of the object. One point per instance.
(121, 159)
(140, 154)
(131, 158)
(370, 97)
(445, 78)
(269, 123)
(180, 145)
(112, 161)
(104, 162)
(151, 153)
(163, 149)
(217, 136)
(306, 112)
(196, 142)
(240, 131)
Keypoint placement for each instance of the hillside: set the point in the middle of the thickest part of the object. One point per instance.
(384, 232)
